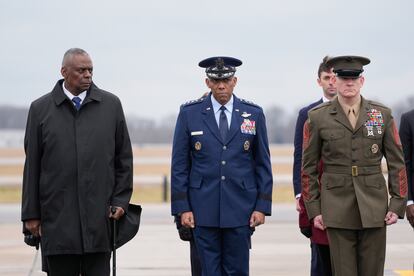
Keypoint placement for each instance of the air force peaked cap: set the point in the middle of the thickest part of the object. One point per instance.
(348, 66)
(220, 67)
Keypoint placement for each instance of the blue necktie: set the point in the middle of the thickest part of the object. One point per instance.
(77, 102)
(223, 124)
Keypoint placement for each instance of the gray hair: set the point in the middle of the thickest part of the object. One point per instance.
(72, 52)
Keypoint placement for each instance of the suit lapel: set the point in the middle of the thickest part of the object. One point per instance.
(209, 119)
(235, 119)
(339, 114)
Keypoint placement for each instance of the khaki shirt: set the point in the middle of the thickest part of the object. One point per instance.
(351, 111)
(352, 192)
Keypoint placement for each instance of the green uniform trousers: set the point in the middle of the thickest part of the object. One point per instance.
(357, 252)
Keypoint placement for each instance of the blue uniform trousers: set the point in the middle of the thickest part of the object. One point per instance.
(195, 260)
(223, 251)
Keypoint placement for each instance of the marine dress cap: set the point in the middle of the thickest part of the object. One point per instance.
(348, 66)
(220, 67)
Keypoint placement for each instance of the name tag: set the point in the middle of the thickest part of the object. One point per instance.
(195, 133)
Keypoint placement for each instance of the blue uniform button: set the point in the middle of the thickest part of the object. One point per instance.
(223, 178)
(224, 147)
(223, 162)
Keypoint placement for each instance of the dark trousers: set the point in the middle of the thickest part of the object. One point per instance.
(324, 257)
(357, 252)
(316, 264)
(223, 251)
(195, 260)
(93, 264)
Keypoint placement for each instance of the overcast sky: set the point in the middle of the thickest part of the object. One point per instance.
(147, 52)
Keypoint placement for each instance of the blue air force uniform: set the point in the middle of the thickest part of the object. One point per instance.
(221, 181)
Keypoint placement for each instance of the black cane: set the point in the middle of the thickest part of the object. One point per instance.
(113, 211)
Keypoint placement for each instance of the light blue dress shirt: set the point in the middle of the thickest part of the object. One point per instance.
(217, 111)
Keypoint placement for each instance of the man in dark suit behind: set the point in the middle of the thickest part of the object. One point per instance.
(407, 140)
(221, 177)
(320, 262)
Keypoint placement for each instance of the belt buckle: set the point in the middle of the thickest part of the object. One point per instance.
(354, 170)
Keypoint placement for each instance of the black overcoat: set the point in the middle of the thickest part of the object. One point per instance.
(78, 163)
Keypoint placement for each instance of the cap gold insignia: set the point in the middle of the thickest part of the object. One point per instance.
(374, 148)
(197, 145)
(246, 145)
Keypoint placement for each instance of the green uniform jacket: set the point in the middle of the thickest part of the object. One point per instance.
(353, 192)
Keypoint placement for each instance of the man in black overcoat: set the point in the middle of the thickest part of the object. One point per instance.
(78, 165)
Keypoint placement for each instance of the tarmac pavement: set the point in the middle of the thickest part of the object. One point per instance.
(278, 247)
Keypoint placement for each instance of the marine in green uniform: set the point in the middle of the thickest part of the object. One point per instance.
(351, 135)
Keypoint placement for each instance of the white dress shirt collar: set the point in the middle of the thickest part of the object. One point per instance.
(82, 95)
(325, 99)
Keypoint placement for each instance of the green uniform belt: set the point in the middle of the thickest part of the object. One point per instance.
(352, 170)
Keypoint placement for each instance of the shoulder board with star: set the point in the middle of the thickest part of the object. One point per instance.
(199, 100)
(249, 103)
(319, 106)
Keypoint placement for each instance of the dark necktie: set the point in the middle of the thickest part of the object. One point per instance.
(223, 124)
(77, 102)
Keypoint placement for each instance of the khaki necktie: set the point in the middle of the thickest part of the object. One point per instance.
(352, 117)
